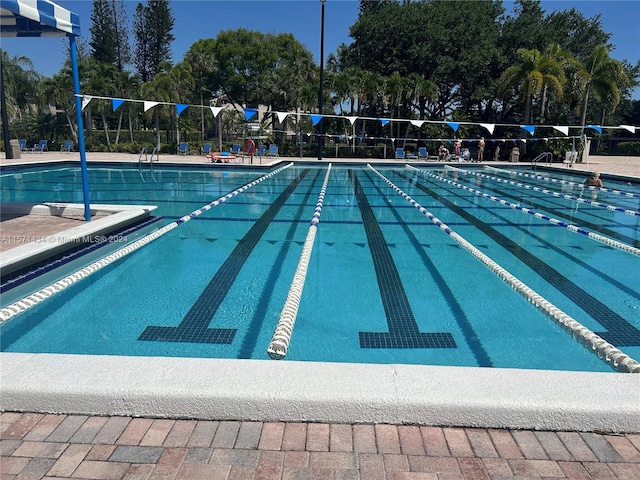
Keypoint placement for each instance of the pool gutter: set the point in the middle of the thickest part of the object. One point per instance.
(268, 391)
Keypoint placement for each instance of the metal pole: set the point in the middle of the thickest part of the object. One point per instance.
(81, 146)
(321, 92)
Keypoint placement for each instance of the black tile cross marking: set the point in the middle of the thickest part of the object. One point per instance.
(194, 327)
(403, 328)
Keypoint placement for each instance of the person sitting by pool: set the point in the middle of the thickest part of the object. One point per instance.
(594, 180)
(443, 152)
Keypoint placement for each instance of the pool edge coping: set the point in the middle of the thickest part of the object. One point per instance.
(291, 391)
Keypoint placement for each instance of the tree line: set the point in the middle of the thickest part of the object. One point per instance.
(466, 61)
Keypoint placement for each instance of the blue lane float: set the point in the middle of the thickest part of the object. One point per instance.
(608, 353)
(573, 228)
(546, 191)
(16, 308)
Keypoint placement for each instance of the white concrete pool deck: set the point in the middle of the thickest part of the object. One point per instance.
(285, 391)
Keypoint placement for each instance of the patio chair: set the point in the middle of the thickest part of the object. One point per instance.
(273, 150)
(422, 153)
(183, 149)
(262, 150)
(23, 145)
(399, 153)
(205, 149)
(40, 147)
(67, 146)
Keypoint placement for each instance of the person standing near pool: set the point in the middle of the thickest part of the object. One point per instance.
(481, 149)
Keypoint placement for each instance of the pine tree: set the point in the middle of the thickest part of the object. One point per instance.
(109, 33)
(152, 25)
(103, 37)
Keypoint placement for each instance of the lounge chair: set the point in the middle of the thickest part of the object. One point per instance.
(205, 149)
(221, 157)
(273, 151)
(67, 146)
(40, 147)
(262, 150)
(423, 154)
(399, 153)
(23, 145)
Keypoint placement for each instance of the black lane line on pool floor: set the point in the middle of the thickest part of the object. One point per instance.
(471, 337)
(619, 332)
(403, 328)
(194, 327)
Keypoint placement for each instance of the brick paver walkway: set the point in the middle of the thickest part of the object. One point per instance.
(40, 446)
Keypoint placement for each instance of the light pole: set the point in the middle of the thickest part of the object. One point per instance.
(321, 92)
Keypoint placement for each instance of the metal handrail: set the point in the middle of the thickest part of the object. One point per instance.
(543, 155)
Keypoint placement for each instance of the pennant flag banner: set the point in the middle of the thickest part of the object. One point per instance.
(352, 119)
(85, 101)
(453, 125)
(215, 111)
(249, 113)
(116, 102)
(417, 123)
(148, 105)
(489, 127)
(564, 130)
(528, 128)
(632, 129)
(383, 121)
(315, 119)
(597, 128)
(180, 108)
(281, 116)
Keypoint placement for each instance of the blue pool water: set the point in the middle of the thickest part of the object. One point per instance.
(384, 284)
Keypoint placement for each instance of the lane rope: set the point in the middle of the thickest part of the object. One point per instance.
(565, 196)
(564, 182)
(608, 353)
(30, 301)
(279, 345)
(569, 226)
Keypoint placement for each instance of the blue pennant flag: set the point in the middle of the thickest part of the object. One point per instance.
(249, 113)
(315, 119)
(453, 125)
(383, 121)
(528, 128)
(116, 102)
(597, 128)
(180, 107)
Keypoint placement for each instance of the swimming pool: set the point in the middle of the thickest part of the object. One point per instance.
(384, 283)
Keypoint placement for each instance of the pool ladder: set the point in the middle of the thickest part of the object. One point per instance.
(543, 157)
(143, 158)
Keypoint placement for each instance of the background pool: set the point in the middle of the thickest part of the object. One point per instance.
(384, 284)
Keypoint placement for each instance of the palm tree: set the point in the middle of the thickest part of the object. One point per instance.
(534, 71)
(603, 76)
(201, 56)
(20, 84)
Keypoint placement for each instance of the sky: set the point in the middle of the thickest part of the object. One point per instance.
(196, 19)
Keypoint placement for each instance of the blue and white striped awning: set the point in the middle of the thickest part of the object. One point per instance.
(36, 18)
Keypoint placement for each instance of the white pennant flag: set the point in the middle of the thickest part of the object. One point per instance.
(631, 128)
(148, 105)
(489, 127)
(215, 111)
(281, 116)
(352, 119)
(417, 123)
(85, 101)
(564, 130)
